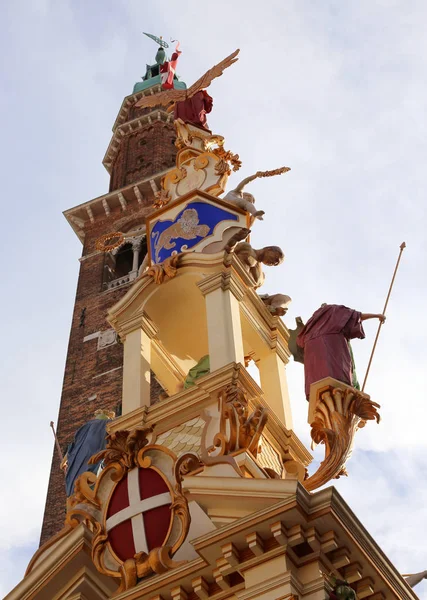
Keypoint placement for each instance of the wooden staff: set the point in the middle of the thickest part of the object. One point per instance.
(58, 447)
(402, 247)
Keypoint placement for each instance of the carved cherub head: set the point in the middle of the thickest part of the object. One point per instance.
(271, 256)
(249, 197)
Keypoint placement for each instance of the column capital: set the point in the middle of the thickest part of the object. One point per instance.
(224, 280)
(140, 321)
(280, 346)
(137, 242)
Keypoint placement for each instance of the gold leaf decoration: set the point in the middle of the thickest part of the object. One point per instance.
(165, 271)
(125, 451)
(162, 197)
(239, 430)
(339, 413)
(110, 241)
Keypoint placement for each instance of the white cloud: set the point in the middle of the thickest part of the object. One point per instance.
(383, 492)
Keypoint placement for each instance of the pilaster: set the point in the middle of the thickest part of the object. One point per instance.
(137, 341)
(223, 292)
(275, 386)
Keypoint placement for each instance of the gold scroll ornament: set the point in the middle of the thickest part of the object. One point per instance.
(338, 414)
(127, 450)
(239, 429)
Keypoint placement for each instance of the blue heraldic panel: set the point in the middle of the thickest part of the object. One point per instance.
(196, 222)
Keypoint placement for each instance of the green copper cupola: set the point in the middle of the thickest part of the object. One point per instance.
(152, 74)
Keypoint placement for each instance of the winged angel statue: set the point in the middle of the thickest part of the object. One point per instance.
(190, 105)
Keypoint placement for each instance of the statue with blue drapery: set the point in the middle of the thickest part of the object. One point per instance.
(89, 439)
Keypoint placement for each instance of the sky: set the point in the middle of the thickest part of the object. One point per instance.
(337, 91)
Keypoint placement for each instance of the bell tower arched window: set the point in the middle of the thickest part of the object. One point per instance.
(121, 265)
(124, 260)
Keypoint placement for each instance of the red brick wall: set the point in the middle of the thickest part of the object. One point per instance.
(89, 371)
(143, 153)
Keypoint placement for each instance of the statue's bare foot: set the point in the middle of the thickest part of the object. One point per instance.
(259, 214)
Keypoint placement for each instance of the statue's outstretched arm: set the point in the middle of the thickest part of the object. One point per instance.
(413, 580)
(245, 181)
(240, 235)
(242, 184)
(366, 316)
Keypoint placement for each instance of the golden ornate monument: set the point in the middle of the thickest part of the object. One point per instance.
(204, 492)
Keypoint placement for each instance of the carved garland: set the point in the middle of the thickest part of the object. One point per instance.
(110, 241)
(164, 271)
(339, 414)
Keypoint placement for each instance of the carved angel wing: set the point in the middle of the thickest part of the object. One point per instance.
(164, 98)
(216, 71)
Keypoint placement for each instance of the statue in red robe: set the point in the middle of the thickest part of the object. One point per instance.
(325, 342)
(194, 109)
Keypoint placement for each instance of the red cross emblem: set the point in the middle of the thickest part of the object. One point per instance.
(143, 517)
(139, 515)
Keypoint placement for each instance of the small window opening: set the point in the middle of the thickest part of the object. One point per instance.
(124, 259)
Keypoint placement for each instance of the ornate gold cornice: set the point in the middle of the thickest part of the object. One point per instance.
(191, 403)
(69, 552)
(322, 522)
(330, 501)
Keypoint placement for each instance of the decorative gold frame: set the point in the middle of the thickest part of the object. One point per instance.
(191, 196)
(125, 451)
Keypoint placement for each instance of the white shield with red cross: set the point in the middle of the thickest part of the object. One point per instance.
(139, 517)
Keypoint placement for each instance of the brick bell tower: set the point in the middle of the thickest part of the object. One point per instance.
(142, 149)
